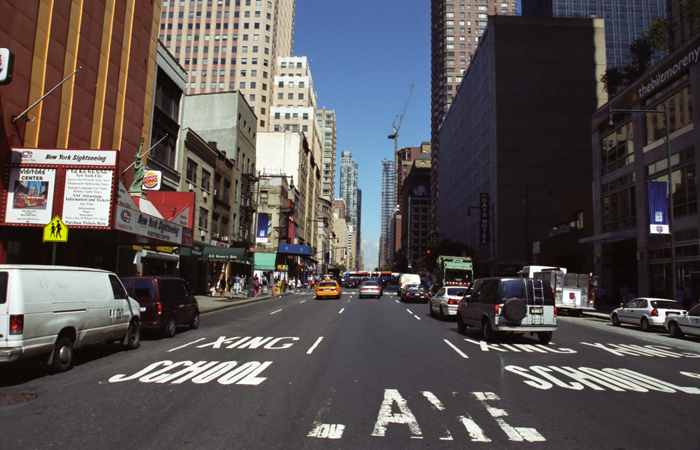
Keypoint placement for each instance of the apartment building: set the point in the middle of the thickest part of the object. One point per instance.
(325, 118)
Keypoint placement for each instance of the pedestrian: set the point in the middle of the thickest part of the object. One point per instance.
(236, 284)
(264, 283)
(279, 285)
(274, 286)
(687, 297)
(212, 284)
(256, 285)
(231, 282)
(297, 286)
(242, 282)
(284, 285)
(222, 284)
(625, 294)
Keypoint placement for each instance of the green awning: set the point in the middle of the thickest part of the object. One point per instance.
(224, 254)
(265, 261)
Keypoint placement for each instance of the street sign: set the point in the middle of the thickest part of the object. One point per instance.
(56, 231)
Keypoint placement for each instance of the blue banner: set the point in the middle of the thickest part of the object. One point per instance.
(263, 223)
(658, 209)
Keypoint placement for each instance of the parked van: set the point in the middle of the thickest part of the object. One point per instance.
(408, 278)
(56, 309)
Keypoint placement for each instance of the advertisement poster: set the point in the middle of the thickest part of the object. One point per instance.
(658, 208)
(87, 196)
(263, 228)
(30, 196)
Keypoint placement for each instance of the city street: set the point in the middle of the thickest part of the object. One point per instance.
(294, 372)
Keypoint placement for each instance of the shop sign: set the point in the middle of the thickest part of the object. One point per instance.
(7, 59)
(80, 181)
(152, 180)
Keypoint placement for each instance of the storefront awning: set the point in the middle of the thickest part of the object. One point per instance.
(265, 261)
(196, 250)
(224, 254)
(154, 255)
(292, 249)
(609, 237)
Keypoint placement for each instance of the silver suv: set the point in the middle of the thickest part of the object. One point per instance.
(514, 305)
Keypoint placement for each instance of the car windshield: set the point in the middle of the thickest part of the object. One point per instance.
(370, 283)
(665, 305)
(414, 287)
(456, 292)
(327, 284)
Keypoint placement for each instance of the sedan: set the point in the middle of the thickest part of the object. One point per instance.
(328, 289)
(371, 288)
(646, 312)
(686, 323)
(415, 293)
(446, 300)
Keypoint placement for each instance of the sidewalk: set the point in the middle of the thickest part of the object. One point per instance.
(207, 303)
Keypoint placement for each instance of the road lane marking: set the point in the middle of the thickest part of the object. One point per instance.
(517, 434)
(416, 317)
(313, 347)
(437, 404)
(275, 312)
(385, 416)
(459, 352)
(341, 311)
(327, 431)
(302, 302)
(474, 430)
(183, 346)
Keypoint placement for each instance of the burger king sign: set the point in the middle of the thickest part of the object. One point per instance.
(152, 180)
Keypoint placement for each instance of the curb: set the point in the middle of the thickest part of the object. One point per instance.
(597, 315)
(245, 301)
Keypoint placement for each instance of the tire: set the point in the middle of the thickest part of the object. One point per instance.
(515, 310)
(489, 334)
(430, 309)
(62, 355)
(646, 326)
(674, 330)
(442, 314)
(545, 337)
(133, 336)
(461, 326)
(615, 320)
(170, 327)
(195, 321)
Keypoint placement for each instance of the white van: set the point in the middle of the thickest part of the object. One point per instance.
(55, 309)
(408, 278)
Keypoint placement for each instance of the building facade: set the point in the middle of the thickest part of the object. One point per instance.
(386, 208)
(519, 161)
(325, 118)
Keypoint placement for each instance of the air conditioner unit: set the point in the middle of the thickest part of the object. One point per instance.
(225, 238)
(216, 236)
(203, 233)
(190, 186)
(205, 194)
(215, 192)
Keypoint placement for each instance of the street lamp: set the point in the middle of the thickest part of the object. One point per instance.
(670, 179)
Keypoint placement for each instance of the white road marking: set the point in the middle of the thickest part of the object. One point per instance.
(416, 317)
(474, 430)
(397, 301)
(313, 347)
(517, 434)
(385, 416)
(302, 302)
(183, 346)
(459, 352)
(341, 310)
(434, 400)
(327, 431)
(275, 312)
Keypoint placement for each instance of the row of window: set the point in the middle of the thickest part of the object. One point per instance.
(217, 61)
(182, 3)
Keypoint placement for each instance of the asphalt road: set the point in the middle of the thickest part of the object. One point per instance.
(296, 373)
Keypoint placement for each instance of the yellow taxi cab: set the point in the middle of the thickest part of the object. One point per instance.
(328, 289)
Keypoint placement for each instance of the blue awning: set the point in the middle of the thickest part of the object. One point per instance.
(292, 249)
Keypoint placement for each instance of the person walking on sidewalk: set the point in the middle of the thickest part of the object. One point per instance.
(236, 284)
(274, 286)
(231, 282)
(256, 286)
(212, 284)
(298, 286)
(279, 285)
(242, 283)
(222, 284)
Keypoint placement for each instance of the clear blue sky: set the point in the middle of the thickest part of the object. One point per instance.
(364, 56)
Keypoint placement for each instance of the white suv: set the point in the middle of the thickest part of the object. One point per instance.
(515, 305)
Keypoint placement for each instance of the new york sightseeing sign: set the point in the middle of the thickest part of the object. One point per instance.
(76, 185)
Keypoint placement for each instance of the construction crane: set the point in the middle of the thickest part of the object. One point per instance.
(395, 128)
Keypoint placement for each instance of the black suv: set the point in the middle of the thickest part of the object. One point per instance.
(165, 303)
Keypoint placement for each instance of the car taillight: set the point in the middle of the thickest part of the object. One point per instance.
(453, 301)
(159, 308)
(555, 311)
(654, 312)
(17, 324)
(495, 309)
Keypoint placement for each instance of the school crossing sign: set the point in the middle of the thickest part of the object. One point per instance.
(56, 231)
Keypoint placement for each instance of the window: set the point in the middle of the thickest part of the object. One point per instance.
(191, 171)
(263, 197)
(206, 180)
(203, 218)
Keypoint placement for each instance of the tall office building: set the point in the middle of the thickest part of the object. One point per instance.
(624, 21)
(387, 207)
(230, 44)
(350, 193)
(456, 26)
(325, 118)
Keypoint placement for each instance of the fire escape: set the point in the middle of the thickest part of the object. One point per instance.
(248, 206)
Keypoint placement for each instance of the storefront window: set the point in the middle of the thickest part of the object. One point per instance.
(617, 149)
(619, 210)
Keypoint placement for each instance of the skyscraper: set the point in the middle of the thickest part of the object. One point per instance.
(456, 26)
(350, 193)
(325, 119)
(387, 207)
(230, 44)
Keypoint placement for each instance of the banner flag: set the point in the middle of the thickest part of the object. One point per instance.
(263, 223)
(658, 209)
